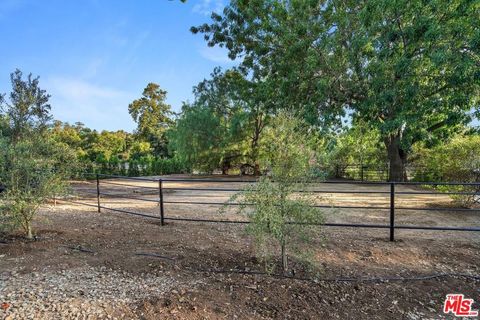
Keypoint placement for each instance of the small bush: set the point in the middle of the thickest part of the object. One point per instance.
(281, 216)
(31, 171)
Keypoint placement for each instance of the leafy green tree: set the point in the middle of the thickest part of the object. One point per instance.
(140, 149)
(228, 96)
(199, 138)
(33, 167)
(409, 69)
(358, 146)
(228, 100)
(32, 170)
(456, 160)
(152, 115)
(69, 135)
(28, 108)
(109, 144)
(281, 215)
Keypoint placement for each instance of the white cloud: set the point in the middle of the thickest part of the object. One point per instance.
(97, 106)
(81, 90)
(206, 7)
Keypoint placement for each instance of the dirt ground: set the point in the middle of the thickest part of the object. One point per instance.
(187, 270)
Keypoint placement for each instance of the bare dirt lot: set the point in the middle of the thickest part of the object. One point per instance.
(90, 265)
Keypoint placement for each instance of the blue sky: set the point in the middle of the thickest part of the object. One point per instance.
(95, 56)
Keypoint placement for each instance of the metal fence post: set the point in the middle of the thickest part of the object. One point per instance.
(160, 195)
(98, 193)
(392, 211)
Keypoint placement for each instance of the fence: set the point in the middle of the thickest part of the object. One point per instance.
(159, 189)
(364, 172)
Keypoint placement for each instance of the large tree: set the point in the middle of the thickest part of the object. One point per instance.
(408, 68)
(236, 99)
(152, 115)
(222, 128)
(200, 138)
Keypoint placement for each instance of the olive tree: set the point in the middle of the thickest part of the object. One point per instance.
(281, 215)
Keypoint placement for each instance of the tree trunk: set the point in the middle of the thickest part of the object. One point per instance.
(256, 169)
(284, 259)
(255, 144)
(225, 168)
(397, 158)
(29, 231)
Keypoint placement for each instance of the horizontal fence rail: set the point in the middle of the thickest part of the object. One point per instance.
(159, 189)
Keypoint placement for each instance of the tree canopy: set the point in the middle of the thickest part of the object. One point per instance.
(223, 126)
(28, 107)
(407, 68)
(152, 115)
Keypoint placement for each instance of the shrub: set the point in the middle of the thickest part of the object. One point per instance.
(456, 161)
(32, 171)
(280, 214)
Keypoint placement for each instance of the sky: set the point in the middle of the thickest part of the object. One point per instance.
(95, 56)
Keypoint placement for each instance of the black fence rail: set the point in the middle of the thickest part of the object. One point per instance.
(158, 190)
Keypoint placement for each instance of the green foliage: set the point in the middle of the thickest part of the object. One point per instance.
(280, 213)
(358, 146)
(197, 138)
(152, 115)
(408, 69)
(458, 160)
(140, 149)
(113, 152)
(32, 171)
(223, 127)
(28, 107)
(108, 144)
(33, 167)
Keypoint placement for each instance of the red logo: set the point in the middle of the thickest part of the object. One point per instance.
(459, 306)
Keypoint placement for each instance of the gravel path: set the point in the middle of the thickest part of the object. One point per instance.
(82, 293)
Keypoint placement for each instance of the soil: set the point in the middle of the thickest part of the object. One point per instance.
(210, 268)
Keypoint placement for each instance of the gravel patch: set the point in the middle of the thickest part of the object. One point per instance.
(81, 293)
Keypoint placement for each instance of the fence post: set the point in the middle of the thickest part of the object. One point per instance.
(361, 172)
(160, 195)
(98, 193)
(392, 211)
